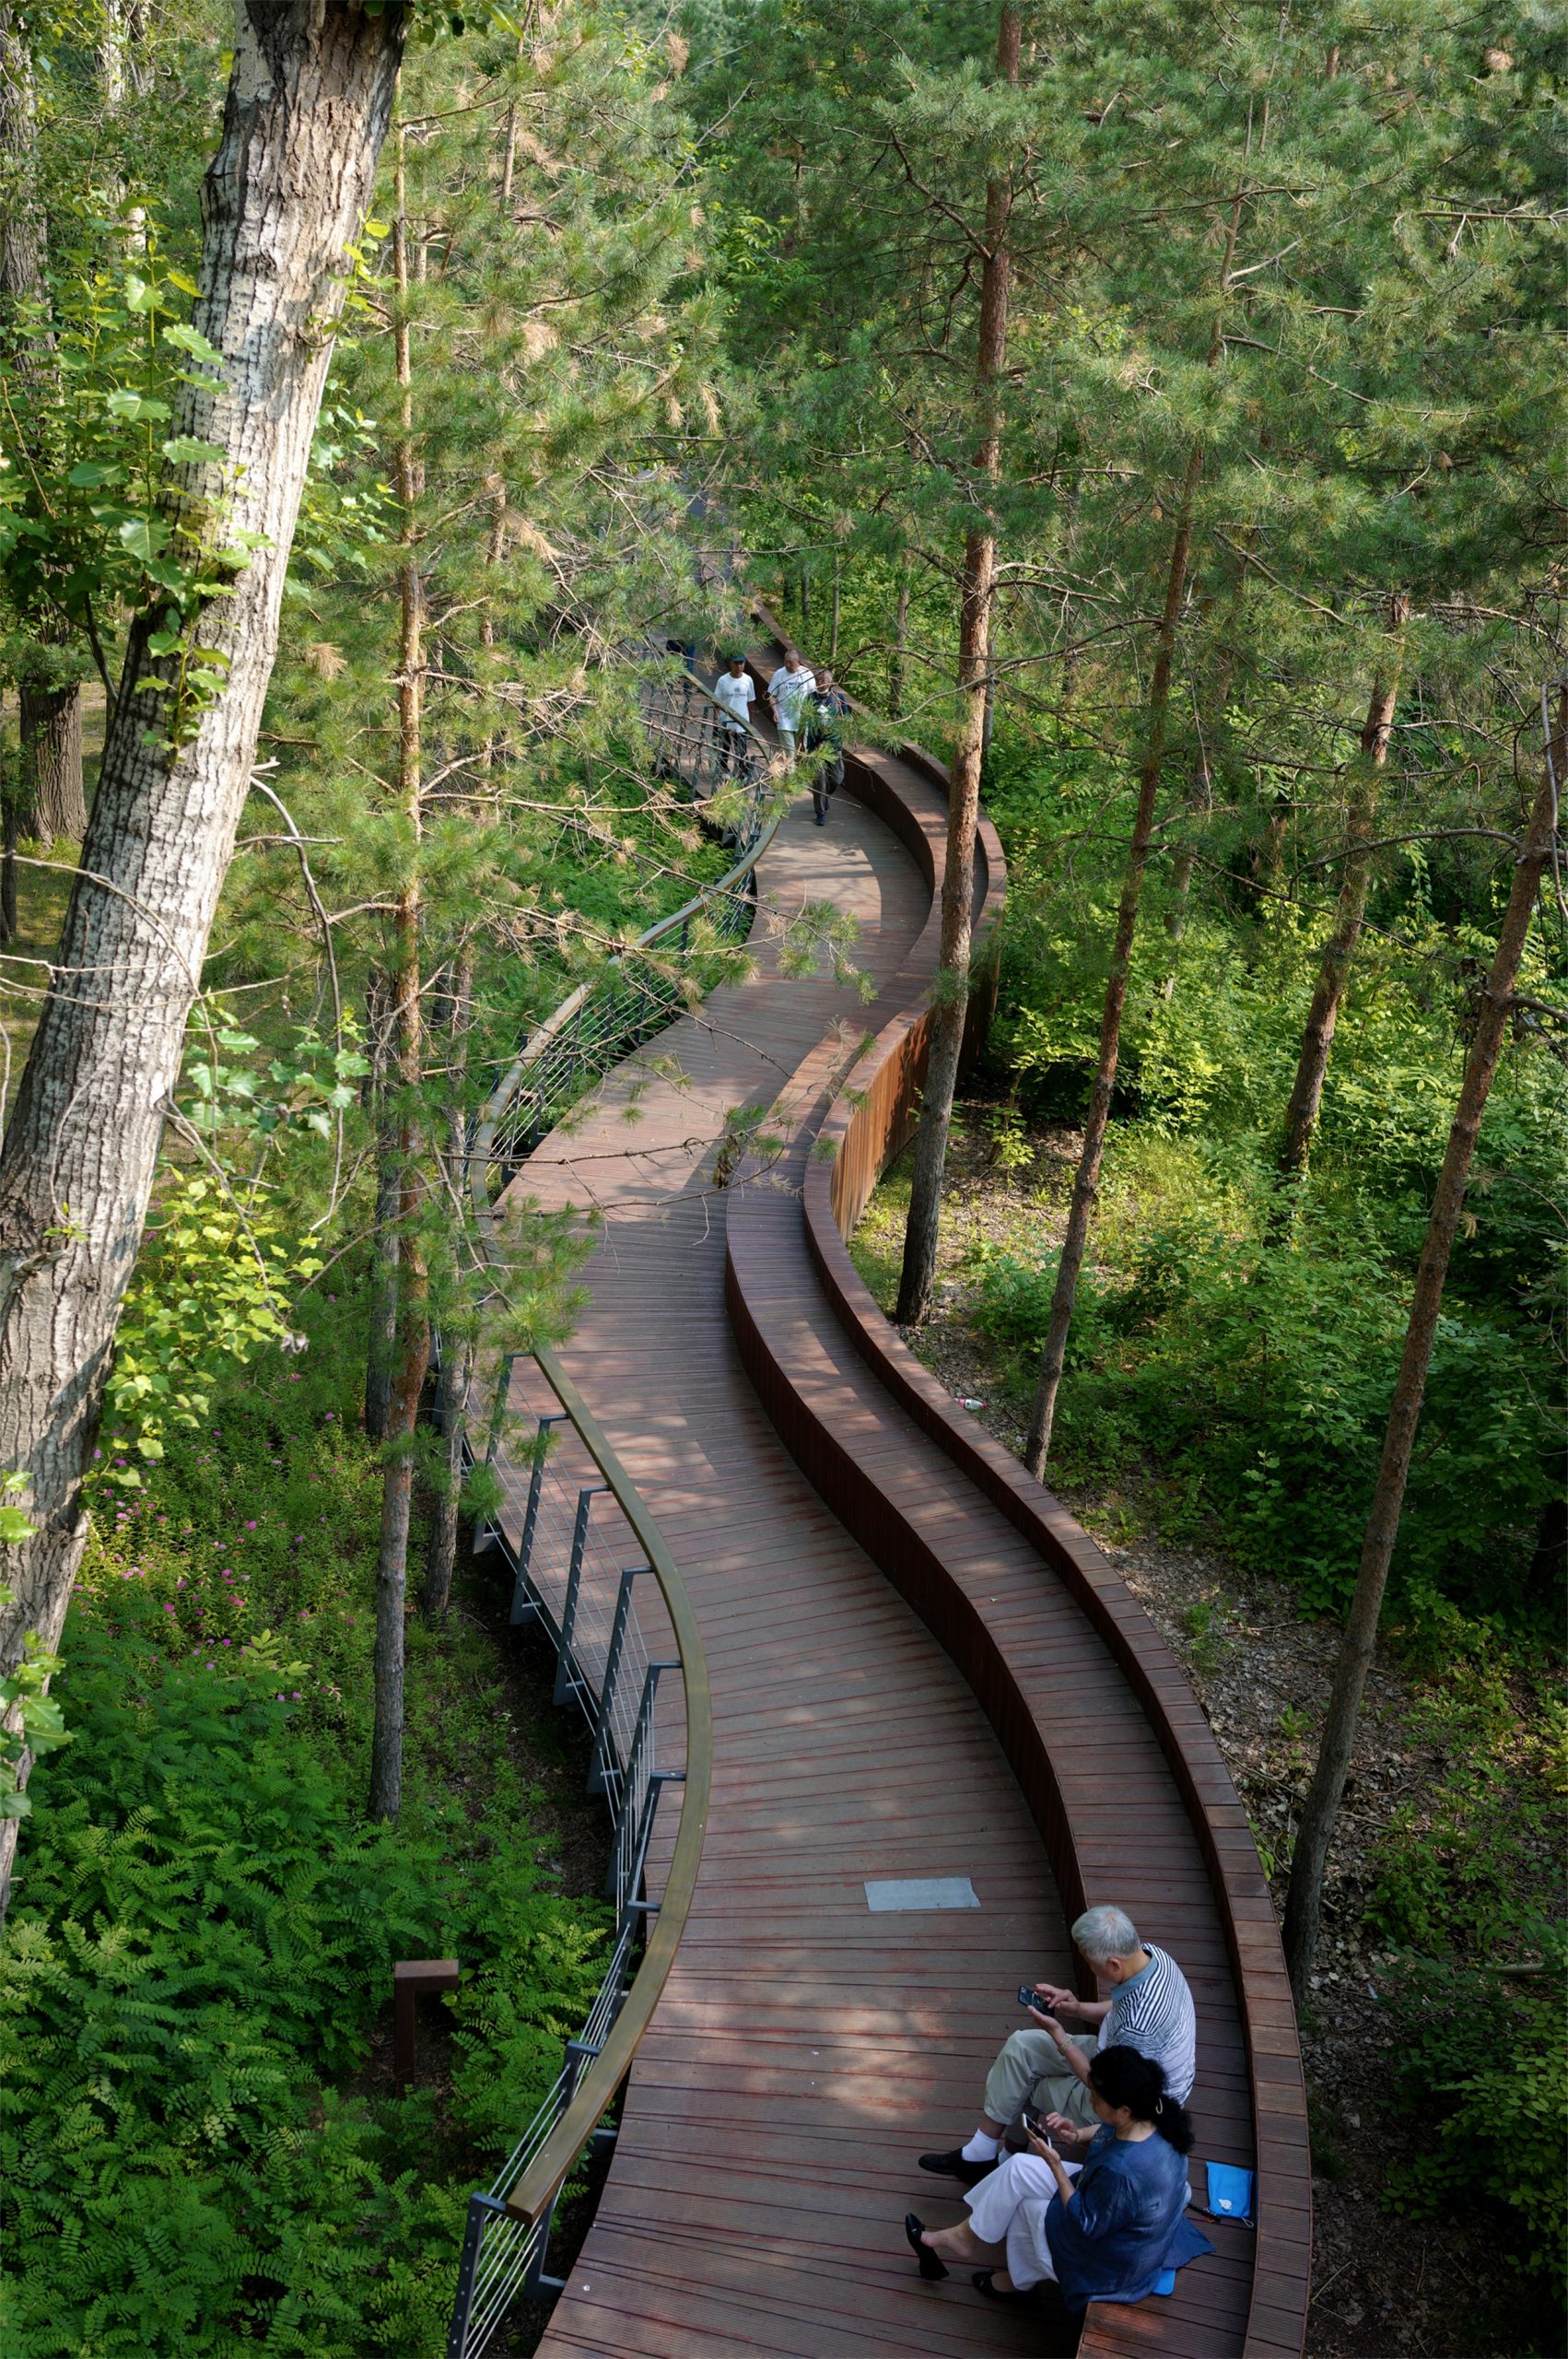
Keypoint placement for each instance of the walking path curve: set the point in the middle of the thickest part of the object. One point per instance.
(805, 2048)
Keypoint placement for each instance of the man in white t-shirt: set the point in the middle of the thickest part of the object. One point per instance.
(734, 690)
(787, 693)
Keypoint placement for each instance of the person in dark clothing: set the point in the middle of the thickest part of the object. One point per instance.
(827, 716)
(1105, 2233)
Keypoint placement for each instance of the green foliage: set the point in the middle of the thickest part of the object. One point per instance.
(30, 1720)
(201, 1939)
(212, 1286)
(1260, 1373)
(1482, 2065)
(1471, 1858)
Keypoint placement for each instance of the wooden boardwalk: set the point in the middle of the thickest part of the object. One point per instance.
(806, 2049)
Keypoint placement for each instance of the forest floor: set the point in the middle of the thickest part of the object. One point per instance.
(1382, 2284)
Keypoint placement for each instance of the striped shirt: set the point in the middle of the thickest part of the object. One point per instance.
(1153, 2013)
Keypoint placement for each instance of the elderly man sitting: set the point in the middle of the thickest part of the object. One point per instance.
(1150, 2008)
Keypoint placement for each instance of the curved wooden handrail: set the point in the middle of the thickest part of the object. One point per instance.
(869, 1121)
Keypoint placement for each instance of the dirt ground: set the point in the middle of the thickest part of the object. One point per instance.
(1382, 2287)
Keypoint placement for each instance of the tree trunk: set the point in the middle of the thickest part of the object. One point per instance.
(10, 816)
(284, 196)
(952, 995)
(382, 1335)
(412, 1356)
(49, 713)
(1304, 1909)
(440, 1554)
(1086, 1184)
(457, 1357)
(1361, 817)
(900, 640)
(49, 728)
(22, 251)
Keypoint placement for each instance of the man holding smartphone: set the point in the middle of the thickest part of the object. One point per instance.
(1150, 2008)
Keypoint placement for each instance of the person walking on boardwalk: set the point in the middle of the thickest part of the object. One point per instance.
(733, 690)
(787, 693)
(1105, 2232)
(1150, 2008)
(825, 718)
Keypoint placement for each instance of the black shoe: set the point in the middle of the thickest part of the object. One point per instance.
(980, 2279)
(931, 2266)
(955, 2164)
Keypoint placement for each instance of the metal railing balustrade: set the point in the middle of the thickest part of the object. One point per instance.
(576, 1539)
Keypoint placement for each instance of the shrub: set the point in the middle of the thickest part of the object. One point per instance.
(202, 1933)
(1483, 2066)
(1263, 1374)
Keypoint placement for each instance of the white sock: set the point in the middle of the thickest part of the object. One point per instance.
(981, 2149)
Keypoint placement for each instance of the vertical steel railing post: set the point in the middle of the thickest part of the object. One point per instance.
(615, 1887)
(539, 2284)
(522, 1604)
(605, 1762)
(482, 2210)
(566, 1680)
(658, 1781)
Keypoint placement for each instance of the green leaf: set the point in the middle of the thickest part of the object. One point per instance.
(185, 450)
(88, 475)
(191, 340)
(143, 537)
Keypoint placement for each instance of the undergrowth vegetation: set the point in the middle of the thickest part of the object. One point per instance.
(194, 2154)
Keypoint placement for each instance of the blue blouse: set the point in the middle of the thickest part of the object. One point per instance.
(1127, 2222)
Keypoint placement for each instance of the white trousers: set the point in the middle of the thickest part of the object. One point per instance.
(1009, 2207)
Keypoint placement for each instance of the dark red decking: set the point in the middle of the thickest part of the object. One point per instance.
(920, 1666)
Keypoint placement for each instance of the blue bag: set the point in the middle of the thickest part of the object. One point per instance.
(1230, 2191)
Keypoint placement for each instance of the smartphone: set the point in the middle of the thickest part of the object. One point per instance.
(1028, 1997)
(1033, 2124)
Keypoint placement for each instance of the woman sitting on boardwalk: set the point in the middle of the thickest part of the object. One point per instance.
(1107, 2234)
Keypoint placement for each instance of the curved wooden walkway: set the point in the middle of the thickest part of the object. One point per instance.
(805, 2049)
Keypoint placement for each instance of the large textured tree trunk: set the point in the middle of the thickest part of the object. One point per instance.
(412, 1356)
(964, 780)
(1323, 1017)
(1304, 1908)
(1086, 1182)
(308, 104)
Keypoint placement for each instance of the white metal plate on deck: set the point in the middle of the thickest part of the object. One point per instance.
(922, 1892)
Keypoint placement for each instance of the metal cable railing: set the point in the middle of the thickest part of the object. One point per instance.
(576, 1537)
(731, 778)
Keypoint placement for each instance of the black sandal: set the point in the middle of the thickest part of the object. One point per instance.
(931, 2265)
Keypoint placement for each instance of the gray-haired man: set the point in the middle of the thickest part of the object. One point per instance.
(1150, 2008)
